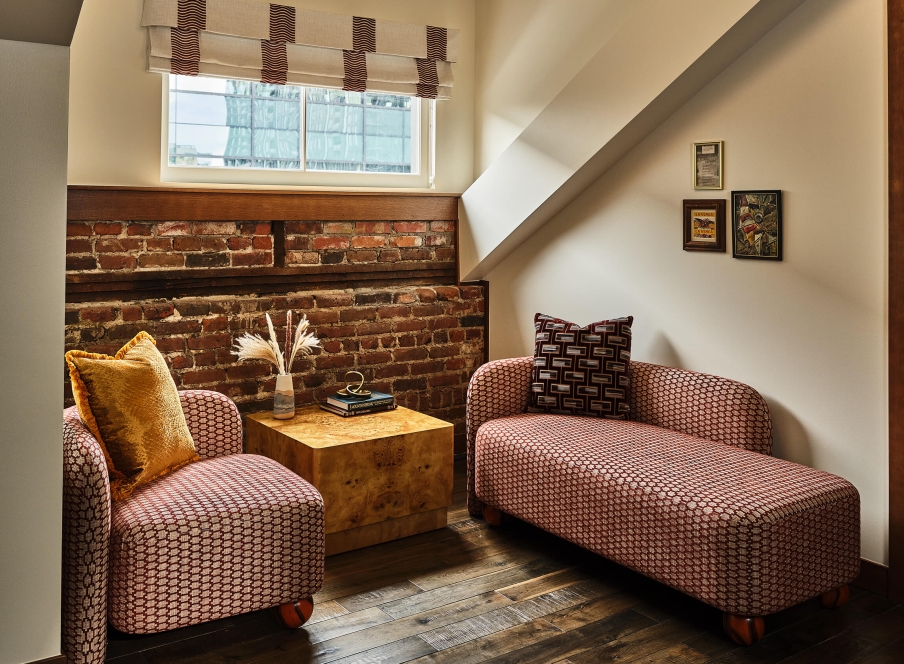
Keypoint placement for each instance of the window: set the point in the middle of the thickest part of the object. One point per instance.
(219, 123)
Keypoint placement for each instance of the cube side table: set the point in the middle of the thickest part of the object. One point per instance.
(382, 475)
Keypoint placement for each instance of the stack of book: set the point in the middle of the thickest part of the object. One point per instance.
(349, 406)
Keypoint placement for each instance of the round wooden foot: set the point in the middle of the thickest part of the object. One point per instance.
(493, 516)
(742, 630)
(295, 614)
(835, 598)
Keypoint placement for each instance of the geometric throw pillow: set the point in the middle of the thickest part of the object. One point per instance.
(131, 406)
(582, 370)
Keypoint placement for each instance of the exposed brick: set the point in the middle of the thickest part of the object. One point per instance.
(406, 241)
(437, 240)
(427, 310)
(143, 230)
(404, 298)
(297, 242)
(79, 230)
(182, 362)
(334, 299)
(445, 253)
(130, 313)
(159, 244)
(322, 317)
(334, 361)
(410, 325)
(193, 308)
(203, 376)
(238, 243)
(304, 227)
(381, 357)
(409, 354)
(338, 227)
(215, 324)
(262, 242)
(442, 226)
(252, 258)
(415, 254)
(210, 341)
(394, 312)
(173, 228)
(187, 243)
(471, 292)
(161, 260)
(157, 311)
(116, 245)
(213, 227)
(361, 256)
(305, 258)
(405, 384)
(330, 242)
(213, 244)
(373, 298)
(368, 242)
(178, 327)
(442, 322)
(245, 370)
(443, 380)
(410, 226)
(205, 358)
(71, 317)
(391, 371)
(254, 228)
(445, 351)
(107, 228)
(419, 368)
(117, 262)
(374, 328)
(426, 295)
(336, 332)
(207, 260)
(98, 314)
(472, 321)
(390, 256)
(78, 246)
(358, 313)
(373, 227)
(446, 292)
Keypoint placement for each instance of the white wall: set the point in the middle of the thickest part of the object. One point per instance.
(115, 104)
(802, 111)
(34, 80)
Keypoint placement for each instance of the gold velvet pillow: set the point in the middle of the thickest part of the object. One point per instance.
(131, 405)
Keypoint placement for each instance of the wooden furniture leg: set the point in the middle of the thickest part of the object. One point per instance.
(295, 614)
(493, 516)
(836, 598)
(743, 630)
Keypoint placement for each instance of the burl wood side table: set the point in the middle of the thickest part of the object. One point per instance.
(382, 475)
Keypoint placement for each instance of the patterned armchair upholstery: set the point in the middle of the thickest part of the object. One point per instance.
(685, 492)
(225, 535)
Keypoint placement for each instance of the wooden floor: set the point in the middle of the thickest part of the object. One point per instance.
(472, 594)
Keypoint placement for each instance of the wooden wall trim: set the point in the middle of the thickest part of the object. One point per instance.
(126, 286)
(872, 577)
(183, 204)
(896, 299)
(57, 659)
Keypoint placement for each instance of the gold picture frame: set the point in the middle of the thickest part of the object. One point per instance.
(707, 165)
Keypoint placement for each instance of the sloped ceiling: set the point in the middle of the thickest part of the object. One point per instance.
(659, 58)
(39, 21)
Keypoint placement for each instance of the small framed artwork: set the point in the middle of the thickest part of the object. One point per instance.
(704, 225)
(708, 165)
(756, 224)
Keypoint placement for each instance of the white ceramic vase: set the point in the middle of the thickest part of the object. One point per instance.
(284, 399)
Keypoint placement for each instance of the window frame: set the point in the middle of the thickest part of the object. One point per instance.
(422, 159)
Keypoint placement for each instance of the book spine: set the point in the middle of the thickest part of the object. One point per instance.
(371, 404)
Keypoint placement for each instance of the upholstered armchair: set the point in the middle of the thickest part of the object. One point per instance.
(225, 535)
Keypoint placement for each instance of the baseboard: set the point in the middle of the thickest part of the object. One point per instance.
(873, 577)
(58, 659)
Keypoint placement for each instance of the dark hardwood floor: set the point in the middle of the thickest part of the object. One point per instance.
(515, 595)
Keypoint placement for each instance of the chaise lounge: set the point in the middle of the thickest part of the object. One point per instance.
(684, 492)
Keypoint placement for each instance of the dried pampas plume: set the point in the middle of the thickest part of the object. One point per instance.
(254, 347)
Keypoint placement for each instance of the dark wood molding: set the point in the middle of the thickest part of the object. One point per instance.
(125, 286)
(896, 299)
(183, 204)
(873, 577)
(57, 659)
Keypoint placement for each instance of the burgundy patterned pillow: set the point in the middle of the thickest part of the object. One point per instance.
(582, 370)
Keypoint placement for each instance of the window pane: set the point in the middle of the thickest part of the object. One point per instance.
(277, 114)
(351, 131)
(276, 143)
(227, 124)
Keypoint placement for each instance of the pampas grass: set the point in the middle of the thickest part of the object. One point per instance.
(254, 347)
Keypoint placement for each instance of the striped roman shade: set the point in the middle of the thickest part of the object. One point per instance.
(257, 41)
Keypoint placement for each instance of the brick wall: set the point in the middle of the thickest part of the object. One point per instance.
(125, 246)
(420, 343)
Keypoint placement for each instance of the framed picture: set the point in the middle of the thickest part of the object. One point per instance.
(756, 224)
(704, 225)
(708, 165)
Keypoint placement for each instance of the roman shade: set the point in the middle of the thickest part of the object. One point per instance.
(257, 41)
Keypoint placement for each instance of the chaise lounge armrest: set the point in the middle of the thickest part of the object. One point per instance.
(214, 423)
(697, 404)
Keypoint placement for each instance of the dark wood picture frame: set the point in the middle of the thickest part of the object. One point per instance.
(743, 219)
(716, 205)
